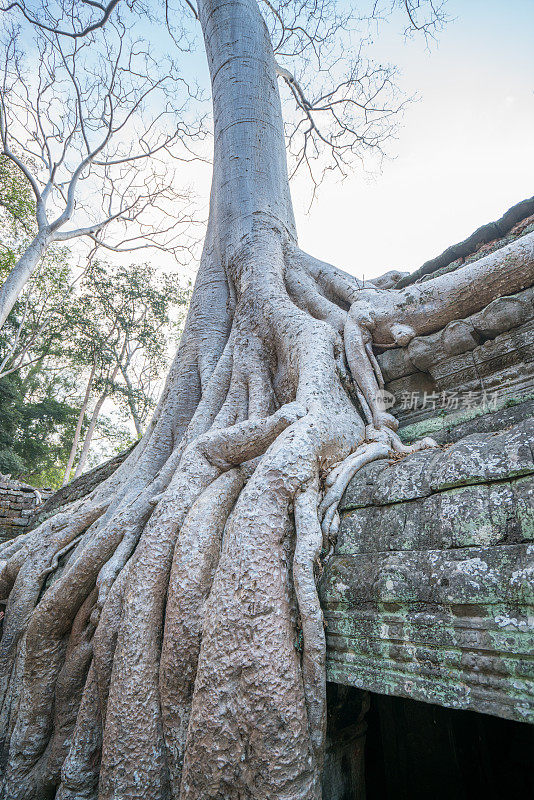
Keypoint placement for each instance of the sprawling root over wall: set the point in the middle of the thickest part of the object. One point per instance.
(163, 636)
(149, 642)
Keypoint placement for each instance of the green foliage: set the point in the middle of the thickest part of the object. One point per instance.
(125, 316)
(17, 215)
(117, 321)
(35, 433)
(17, 203)
(36, 426)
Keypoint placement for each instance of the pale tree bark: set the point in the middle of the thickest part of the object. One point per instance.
(94, 419)
(79, 424)
(130, 391)
(132, 405)
(21, 273)
(158, 660)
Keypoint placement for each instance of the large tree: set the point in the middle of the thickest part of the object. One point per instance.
(149, 641)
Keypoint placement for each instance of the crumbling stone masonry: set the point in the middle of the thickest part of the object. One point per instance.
(429, 593)
(18, 503)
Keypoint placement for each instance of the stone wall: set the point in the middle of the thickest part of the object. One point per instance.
(430, 592)
(18, 503)
(482, 364)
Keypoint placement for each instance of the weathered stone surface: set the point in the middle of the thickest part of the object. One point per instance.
(477, 458)
(430, 591)
(451, 428)
(18, 502)
(443, 378)
(465, 516)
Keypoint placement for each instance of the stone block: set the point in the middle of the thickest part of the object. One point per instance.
(430, 591)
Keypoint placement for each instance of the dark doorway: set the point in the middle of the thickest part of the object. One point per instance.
(418, 751)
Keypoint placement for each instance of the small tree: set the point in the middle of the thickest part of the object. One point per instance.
(40, 318)
(123, 322)
(40, 315)
(36, 426)
(61, 317)
(36, 418)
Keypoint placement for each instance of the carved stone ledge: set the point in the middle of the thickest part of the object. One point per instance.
(490, 352)
(430, 591)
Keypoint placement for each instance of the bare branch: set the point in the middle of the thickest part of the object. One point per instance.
(72, 34)
(98, 134)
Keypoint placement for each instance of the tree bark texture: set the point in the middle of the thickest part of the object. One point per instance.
(163, 636)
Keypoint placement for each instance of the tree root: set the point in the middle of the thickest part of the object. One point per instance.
(149, 641)
(308, 548)
(194, 562)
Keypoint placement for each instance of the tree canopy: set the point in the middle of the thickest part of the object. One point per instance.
(69, 317)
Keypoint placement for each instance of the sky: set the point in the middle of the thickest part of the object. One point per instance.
(464, 153)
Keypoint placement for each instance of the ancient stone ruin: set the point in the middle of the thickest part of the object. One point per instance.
(428, 595)
(428, 591)
(18, 504)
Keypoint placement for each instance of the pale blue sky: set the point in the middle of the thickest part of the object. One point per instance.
(465, 152)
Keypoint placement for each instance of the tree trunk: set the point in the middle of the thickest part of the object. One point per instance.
(131, 401)
(21, 273)
(91, 429)
(159, 658)
(96, 413)
(89, 434)
(79, 424)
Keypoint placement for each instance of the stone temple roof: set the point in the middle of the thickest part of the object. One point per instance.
(515, 222)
